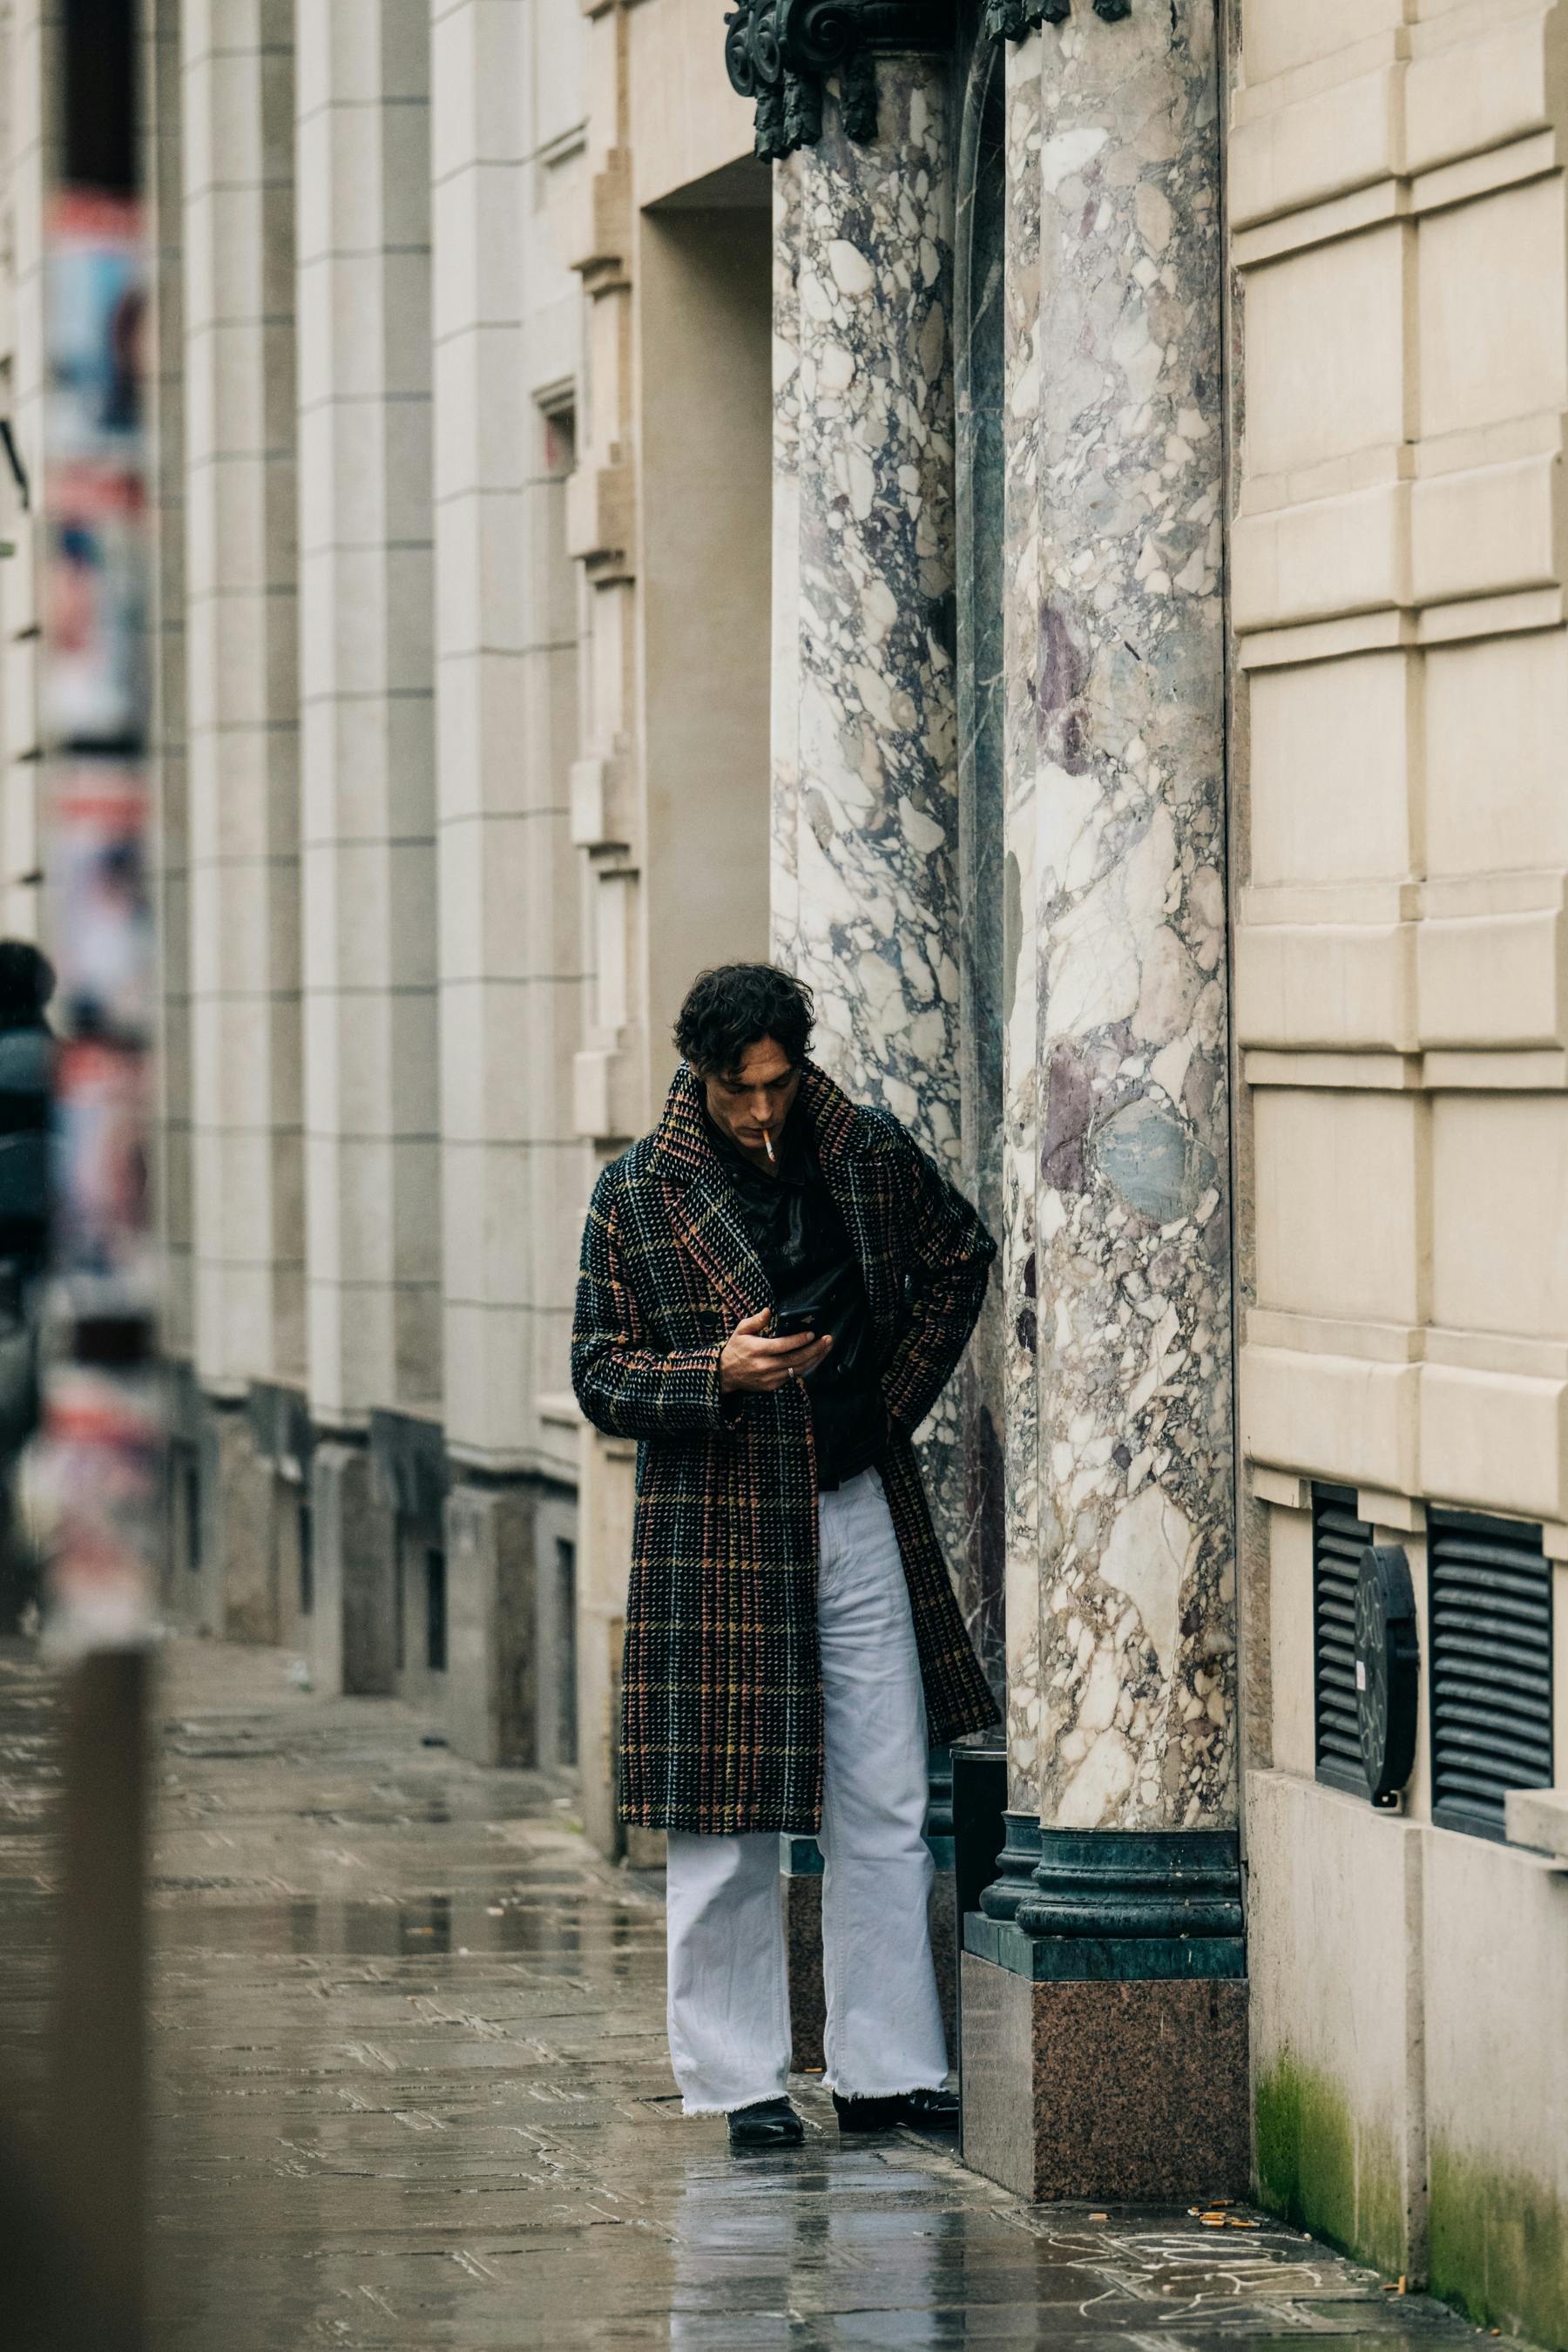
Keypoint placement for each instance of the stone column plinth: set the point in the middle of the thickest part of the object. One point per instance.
(492, 1661)
(354, 1625)
(865, 858)
(1112, 1977)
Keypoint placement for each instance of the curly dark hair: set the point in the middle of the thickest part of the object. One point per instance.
(26, 983)
(737, 1005)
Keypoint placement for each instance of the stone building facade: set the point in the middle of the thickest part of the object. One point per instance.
(1044, 515)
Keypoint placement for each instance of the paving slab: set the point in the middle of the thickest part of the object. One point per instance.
(410, 2089)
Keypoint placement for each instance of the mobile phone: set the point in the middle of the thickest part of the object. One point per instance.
(795, 1323)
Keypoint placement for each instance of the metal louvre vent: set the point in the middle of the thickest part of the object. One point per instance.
(1339, 1539)
(1491, 1648)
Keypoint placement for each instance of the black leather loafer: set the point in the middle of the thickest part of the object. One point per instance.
(771, 2123)
(926, 2110)
(932, 2110)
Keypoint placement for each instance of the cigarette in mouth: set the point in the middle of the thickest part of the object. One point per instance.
(768, 1145)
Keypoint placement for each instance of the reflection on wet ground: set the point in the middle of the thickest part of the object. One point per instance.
(411, 2090)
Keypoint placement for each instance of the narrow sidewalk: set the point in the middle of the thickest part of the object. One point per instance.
(412, 2090)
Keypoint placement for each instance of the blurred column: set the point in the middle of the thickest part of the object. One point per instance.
(239, 70)
(30, 147)
(161, 132)
(508, 927)
(367, 754)
(495, 872)
(101, 1462)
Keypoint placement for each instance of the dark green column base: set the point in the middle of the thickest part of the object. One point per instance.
(1100, 1959)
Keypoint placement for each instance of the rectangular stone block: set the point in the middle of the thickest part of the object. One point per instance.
(1126, 2092)
(1340, 138)
(491, 1665)
(240, 1564)
(1343, 1417)
(1497, 2082)
(1334, 1915)
(1329, 1243)
(1497, 1439)
(1343, 987)
(353, 1623)
(1325, 350)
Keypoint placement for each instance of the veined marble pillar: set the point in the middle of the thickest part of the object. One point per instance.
(242, 644)
(1119, 1967)
(1020, 1284)
(865, 868)
(367, 748)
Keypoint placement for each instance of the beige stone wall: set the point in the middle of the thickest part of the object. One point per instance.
(668, 230)
(242, 641)
(367, 747)
(1397, 204)
(506, 149)
(1398, 198)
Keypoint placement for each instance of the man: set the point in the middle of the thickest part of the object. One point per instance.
(791, 1636)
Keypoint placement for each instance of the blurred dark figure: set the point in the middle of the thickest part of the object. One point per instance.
(26, 1079)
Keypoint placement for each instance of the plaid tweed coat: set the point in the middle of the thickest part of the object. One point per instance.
(721, 1690)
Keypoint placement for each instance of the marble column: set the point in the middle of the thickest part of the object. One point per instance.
(980, 480)
(1021, 560)
(865, 862)
(1125, 1945)
(1137, 1592)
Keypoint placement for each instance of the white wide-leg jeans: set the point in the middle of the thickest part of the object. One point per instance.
(729, 1997)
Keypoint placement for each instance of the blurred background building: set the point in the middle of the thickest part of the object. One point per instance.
(1067, 553)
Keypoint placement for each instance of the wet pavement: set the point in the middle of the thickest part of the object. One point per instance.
(411, 2089)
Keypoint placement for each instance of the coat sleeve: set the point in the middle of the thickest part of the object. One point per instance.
(626, 1388)
(951, 1254)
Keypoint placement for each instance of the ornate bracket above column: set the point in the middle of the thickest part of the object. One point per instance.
(782, 53)
(1010, 20)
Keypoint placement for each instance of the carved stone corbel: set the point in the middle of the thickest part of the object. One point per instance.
(1011, 20)
(781, 54)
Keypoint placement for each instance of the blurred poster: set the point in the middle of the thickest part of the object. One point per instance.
(96, 291)
(101, 906)
(103, 1243)
(94, 688)
(102, 1484)
(101, 1465)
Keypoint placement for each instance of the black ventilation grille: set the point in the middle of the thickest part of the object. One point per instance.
(1339, 1539)
(1491, 1648)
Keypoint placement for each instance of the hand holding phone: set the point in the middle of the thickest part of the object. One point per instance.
(794, 1323)
(761, 1354)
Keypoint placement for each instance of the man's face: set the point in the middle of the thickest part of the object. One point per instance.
(753, 1100)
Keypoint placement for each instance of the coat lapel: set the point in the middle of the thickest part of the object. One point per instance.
(704, 1218)
(854, 1154)
(700, 1202)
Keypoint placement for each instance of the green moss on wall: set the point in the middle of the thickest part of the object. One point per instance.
(1327, 2169)
(1499, 2247)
